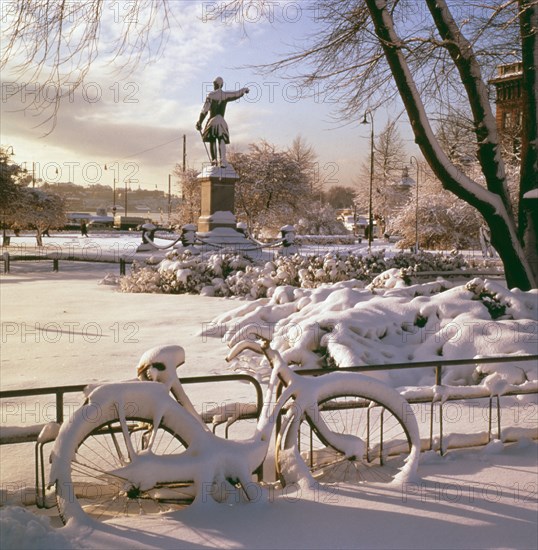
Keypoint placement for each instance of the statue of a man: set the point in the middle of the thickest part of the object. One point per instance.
(216, 131)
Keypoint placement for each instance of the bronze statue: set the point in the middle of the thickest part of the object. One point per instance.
(216, 131)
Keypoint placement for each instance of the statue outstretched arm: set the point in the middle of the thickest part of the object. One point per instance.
(232, 96)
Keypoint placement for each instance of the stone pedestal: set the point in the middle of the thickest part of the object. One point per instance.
(217, 200)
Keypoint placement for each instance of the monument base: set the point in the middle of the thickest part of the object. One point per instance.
(224, 240)
(217, 198)
(216, 220)
(217, 225)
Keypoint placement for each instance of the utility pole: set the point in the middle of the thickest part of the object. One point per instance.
(170, 197)
(184, 152)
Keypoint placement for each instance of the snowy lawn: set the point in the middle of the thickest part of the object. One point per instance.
(64, 328)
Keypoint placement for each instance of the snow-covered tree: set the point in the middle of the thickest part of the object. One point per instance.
(306, 158)
(390, 161)
(8, 174)
(431, 54)
(266, 193)
(340, 196)
(320, 220)
(189, 209)
(33, 208)
(444, 221)
(455, 133)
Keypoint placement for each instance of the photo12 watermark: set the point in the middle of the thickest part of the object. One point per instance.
(35, 93)
(69, 332)
(260, 11)
(274, 91)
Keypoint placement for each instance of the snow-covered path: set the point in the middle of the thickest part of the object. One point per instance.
(468, 499)
(63, 328)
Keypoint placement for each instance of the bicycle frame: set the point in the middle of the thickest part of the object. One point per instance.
(213, 465)
(236, 459)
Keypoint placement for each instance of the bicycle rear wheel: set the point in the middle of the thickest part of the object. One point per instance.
(358, 433)
(91, 451)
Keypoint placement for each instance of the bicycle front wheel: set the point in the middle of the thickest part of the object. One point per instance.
(360, 431)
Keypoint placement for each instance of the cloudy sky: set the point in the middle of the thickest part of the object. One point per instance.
(134, 122)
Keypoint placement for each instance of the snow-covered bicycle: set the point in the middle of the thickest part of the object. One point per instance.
(132, 448)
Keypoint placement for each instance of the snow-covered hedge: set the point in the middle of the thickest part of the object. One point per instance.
(229, 274)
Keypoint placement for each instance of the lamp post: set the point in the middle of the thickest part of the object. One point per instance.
(113, 194)
(33, 171)
(412, 158)
(126, 182)
(4, 240)
(370, 218)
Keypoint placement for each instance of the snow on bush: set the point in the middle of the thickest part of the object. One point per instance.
(230, 274)
(344, 324)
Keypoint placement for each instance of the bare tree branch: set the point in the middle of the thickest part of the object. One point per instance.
(52, 44)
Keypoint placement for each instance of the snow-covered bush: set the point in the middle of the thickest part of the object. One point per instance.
(230, 274)
(186, 273)
(344, 325)
(427, 261)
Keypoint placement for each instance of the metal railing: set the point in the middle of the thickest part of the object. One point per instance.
(60, 391)
(433, 397)
(8, 259)
(422, 395)
(458, 393)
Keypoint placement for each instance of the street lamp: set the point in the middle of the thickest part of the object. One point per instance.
(170, 195)
(33, 171)
(370, 219)
(412, 158)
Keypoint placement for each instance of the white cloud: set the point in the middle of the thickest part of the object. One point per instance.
(141, 116)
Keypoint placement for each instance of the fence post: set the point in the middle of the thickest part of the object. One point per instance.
(59, 407)
(498, 417)
(122, 266)
(55, 264)
(6, 262)
(438, 378)
(188, 234)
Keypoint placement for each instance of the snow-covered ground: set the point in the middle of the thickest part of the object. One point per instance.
(64, 328)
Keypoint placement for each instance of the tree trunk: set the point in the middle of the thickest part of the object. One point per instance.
(528, 208)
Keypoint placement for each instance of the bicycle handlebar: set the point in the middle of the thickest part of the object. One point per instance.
(262, 346)
(240, 347)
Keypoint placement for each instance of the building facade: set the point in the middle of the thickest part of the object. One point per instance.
(509, 101)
